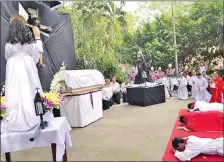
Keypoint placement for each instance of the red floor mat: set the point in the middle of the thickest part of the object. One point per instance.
(169, 155)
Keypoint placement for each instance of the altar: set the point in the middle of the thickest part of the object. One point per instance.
(146, 95)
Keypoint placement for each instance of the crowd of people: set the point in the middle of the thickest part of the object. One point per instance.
(113, 91)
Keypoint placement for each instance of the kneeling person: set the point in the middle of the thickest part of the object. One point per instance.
(187, 148)
(116, 91)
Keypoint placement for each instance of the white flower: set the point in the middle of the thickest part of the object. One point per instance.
(57, 79)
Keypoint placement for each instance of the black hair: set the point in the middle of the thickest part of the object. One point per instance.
(198, 74)
(34, 22)
(19, 32)
(182, 119)
(189, 106)
(176, 141)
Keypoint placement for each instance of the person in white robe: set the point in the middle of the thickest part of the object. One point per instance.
(189, 147)
(124, 90)
(163, 80)
(205, 106)
(192, 82)
(22, 55)
(201, 89)
(182, 87)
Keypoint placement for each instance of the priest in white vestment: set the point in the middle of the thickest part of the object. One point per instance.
(22, 55)
(201, 89)
(192, 82)
(187, 148)
(182, 87)
(205, 106)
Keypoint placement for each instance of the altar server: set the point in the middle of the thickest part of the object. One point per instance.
(124, 90)
(21, 54)
(116, 91)
(202, 121)
(189, 147)
(182, 87)
(205, 106)
(163, 80)
(192, 82)
(169, 74)
(201, 89)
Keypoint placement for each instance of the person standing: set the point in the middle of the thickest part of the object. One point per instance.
(163, 80)
(169, 74)
(152, 74)
(193, 84)
(188, 84)
(201, 89)
(22, 55)
(217, 83)
(132, 76)
(202, 67)
(182, 87)
(124, 90)
(116, 91)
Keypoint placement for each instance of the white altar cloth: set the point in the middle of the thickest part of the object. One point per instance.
(79, 110)
(57, 132)
(77, 79)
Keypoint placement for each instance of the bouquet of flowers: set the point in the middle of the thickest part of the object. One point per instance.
(52, 100)
(58, 79)
(2, 108)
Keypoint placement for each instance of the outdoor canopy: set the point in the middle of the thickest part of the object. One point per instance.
(58, 47)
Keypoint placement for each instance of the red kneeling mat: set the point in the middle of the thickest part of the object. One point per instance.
(169, 154)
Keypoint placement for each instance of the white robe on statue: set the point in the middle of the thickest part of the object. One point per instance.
(182, 88)
(192, 82)
(196, 146)
(205, 106)
(201, 93)
(20, 87)
(165, 82)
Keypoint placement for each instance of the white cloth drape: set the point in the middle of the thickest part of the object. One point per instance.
(21, 81)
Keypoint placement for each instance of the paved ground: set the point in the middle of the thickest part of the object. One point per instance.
(125, 133)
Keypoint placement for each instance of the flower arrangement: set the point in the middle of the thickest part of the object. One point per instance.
(58, 79)
(2, 103)
(52, 100)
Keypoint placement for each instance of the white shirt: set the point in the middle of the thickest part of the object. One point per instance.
(107, 93)
(205, 106)
(123, 87)
(196, 146)
(115, 86)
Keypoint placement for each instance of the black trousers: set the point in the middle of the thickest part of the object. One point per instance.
(189, 87)
(116, 98)
(106, 104)
(124, 97)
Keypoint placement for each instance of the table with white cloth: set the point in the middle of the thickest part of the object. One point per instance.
(56, 135)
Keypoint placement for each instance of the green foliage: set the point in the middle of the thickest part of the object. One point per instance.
(106, 36)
